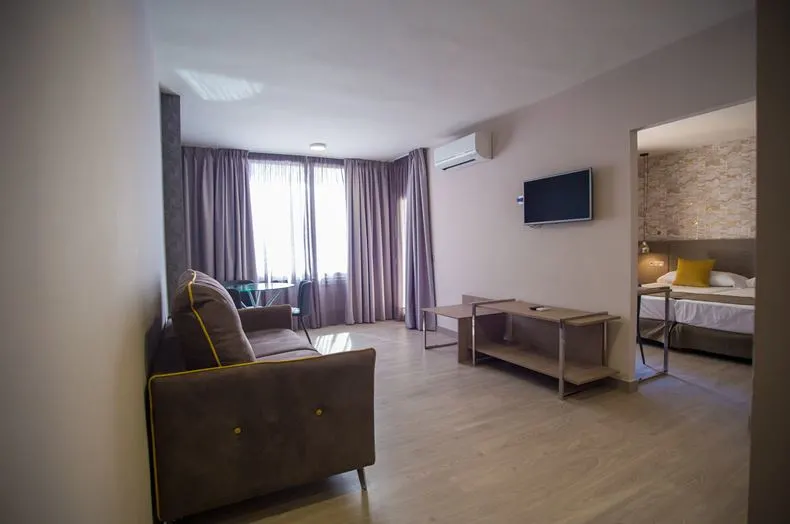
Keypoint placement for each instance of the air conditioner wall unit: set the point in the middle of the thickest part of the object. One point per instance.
(465, 151)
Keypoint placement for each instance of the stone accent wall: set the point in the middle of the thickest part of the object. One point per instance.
(702, 193)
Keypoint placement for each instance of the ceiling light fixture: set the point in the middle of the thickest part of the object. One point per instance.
(317, 146)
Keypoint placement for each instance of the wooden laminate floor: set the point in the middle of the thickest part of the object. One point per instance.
(493, 444)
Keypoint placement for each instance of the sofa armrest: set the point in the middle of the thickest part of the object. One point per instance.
(270, 317)
(223, 435)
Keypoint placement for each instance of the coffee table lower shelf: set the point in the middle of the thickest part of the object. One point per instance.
(576, 373)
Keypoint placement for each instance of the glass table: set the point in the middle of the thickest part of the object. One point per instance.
(271, 291)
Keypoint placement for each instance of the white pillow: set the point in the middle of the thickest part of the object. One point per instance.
(752, 282)
(717, 279)
(724, 279)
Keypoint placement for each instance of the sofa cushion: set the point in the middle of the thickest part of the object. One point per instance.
(290, 355)
(272, 341)
(207, 323)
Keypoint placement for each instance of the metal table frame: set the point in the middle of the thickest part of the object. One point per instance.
(425, 335)
(271, 290)
(655, 291)
(561, 350)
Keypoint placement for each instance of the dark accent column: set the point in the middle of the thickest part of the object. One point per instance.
(173, 191)
(770, 426)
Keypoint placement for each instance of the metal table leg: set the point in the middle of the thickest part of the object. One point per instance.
(253, 299)
(638, 332)
(666, 332)
(562, 362)
(273, 297)
(474, 343)
(425, 337)
(424, 333)
(665, 369)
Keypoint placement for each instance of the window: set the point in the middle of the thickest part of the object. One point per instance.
(331, 226)
(298, 209)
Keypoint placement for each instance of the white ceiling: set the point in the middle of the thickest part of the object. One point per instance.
(376, 78)
(731, 123)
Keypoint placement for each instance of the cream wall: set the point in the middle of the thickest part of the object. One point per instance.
(481, 245)
(82, 260)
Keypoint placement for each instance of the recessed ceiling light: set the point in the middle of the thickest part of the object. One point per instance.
(318, 146)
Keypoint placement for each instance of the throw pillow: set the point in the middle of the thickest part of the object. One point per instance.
(208, 324)
(694, 273)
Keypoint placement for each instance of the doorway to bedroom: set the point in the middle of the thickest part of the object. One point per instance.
(697, 227)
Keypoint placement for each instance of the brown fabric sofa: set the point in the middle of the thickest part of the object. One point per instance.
(228, 433)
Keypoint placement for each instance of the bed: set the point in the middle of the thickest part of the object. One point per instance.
(717, 320)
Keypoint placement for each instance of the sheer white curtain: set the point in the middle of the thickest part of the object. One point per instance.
(286, 204)
(300, 228)
(278, 198)
(331, 221)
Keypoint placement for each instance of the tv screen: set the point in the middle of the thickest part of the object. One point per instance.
(558, 198)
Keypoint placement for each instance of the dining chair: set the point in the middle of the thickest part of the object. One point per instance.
(304, 304)
(236, 296)
(241, 300)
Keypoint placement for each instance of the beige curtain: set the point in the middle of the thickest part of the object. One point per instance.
(219, 219)
(420, 285)
(375, 200)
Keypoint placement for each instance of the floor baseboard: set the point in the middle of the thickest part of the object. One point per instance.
(627, 386)
(447, 331)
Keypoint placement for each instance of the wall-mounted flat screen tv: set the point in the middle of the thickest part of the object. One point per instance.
(567, 197)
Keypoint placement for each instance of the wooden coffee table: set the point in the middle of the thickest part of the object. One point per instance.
(525, 354)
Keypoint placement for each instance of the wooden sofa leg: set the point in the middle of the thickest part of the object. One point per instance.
(362, 481)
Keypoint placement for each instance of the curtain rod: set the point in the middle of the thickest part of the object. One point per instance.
(297, 158)
(254, 155)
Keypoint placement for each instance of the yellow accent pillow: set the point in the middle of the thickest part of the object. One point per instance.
(694, 273)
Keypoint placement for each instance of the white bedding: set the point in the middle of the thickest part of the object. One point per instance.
(653, 307)
(690, 289)
(735, 318)
(739, 292)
